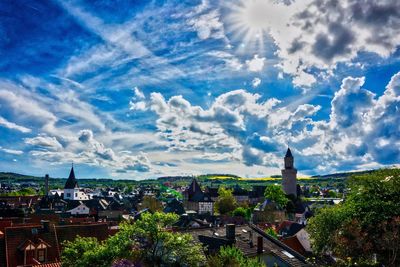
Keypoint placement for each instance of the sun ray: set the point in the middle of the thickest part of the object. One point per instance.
(248, 22)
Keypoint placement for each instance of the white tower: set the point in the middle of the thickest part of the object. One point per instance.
(71, 188)
(289, 175)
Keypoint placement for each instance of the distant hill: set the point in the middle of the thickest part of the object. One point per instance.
(17, 176)
(343, 174)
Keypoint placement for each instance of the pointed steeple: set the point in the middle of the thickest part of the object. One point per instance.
(71, 182)
(288, 153)
(289, 160)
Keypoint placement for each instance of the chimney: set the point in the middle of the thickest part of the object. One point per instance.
(251, 239)
(45, 225)
(46, 185)
(230, 232)
(259, 244)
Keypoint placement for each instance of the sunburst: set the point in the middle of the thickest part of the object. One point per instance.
(249, 22)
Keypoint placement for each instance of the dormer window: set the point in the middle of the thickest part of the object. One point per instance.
(41, 252)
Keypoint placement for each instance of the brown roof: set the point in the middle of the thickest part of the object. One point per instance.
(15, 237)
(243, 242)
(295, 244)
(70, 232)
(20, 201)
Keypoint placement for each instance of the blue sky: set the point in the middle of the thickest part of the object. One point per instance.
(141, 89)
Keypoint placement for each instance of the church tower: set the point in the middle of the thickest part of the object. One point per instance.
(71, 188)
(289, 175)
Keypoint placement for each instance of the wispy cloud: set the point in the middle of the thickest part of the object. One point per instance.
(13, 126)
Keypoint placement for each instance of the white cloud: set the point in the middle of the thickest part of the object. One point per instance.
(138, 93)
(256, 63)
(208, 25)
(43, 141)
(13, 126)
(256, 82)
(313, 34)
(11, 151)
(361, 127)
(86, 149)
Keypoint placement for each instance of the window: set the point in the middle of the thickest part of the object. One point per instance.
(76, 194)
(41, 255)
(29, 254)
(68, 194)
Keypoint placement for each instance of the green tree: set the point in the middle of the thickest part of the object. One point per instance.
(232, 257)
(225, 203)
(366, 223)
(240, 211)
(276, 194)
(147, 241)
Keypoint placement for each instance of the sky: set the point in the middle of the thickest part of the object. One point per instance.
(142, 89)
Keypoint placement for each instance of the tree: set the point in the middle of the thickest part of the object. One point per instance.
(365, 224)
(226, 202)
(276, 194)
(232, 257)
(240, 211)
(147, 241)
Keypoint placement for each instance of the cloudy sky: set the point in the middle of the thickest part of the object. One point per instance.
(138, 89)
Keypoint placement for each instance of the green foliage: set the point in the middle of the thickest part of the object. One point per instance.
(270, 231)
(276, 194)
(22, 192)
(240, 211)
(81, 252)
(367, 222)
(147, 240)
(232, 257)
(225, 203)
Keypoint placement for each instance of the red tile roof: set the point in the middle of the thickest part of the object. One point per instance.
(14, 238)
(53, 264)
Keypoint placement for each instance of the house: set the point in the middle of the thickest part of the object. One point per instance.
(289, 228)
(268, 212)
(52, 202)
(252, 241)
(174, 206)
(77, 208)
(41, 244)
(195, 199)
(300, 242)
(241, 195)
(256, 195)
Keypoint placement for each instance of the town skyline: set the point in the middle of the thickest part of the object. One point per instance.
(161, 88)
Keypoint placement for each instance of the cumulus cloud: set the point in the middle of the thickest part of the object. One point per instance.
(86, 149)
(314, 34)
(256, 63)
(44, 141)
(240, 126)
